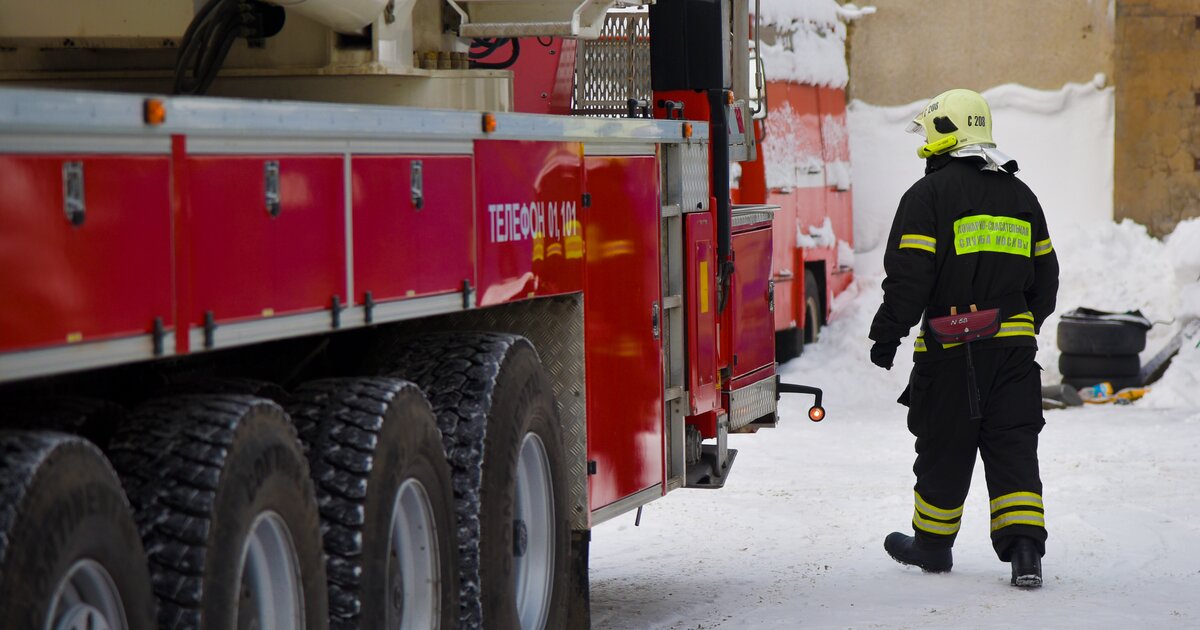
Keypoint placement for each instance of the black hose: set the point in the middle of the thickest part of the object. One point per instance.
(719, 146)
(490, 47)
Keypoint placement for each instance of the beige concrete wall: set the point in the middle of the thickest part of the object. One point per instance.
(911, 50)
(1157, 83)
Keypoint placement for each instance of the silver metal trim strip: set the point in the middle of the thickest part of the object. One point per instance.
(410, 308)
(50, 143)
(60, 111)
(81, 356)
(266, 329)
(597, 149)
(348, 225)
(621, 506)
(287, 326)
(242, 145)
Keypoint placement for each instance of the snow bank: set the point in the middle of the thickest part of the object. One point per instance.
(811, 40)
(1062, 139)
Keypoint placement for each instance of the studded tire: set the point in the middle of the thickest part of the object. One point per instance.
(203, 473)
(66, 528)
(489, 393)
(366, 439)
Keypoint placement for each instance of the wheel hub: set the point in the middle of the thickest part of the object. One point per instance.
(520, 538)
(271, 595)
(86, 599)
(533, 534)
(414, 579)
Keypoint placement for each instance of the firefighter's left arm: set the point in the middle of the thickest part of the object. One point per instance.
(910, 267)
(1042, 295)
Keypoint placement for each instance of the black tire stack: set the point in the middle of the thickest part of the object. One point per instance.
(1099, 347)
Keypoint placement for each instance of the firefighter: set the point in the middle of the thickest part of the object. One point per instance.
(969, 235)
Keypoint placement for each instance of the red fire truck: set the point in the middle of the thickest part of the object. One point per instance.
(331, 337)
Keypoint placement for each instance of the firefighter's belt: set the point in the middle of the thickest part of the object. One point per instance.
(965, 327)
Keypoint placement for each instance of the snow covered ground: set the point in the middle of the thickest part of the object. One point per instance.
(796, 537)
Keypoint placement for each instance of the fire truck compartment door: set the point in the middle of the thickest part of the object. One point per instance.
(701, 298)
(623, 348)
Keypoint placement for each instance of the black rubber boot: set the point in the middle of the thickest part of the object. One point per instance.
(909, 550)
(1026, 564)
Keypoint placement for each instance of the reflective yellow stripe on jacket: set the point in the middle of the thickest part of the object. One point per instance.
(919, 241)
(1041, 248)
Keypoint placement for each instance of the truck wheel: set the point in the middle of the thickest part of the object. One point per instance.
(222, 496)
(1120, 365)
(813, 315)
(387, 506)
(70, 556)
(495, 408)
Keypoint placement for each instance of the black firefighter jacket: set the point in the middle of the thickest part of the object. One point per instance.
(964, 236)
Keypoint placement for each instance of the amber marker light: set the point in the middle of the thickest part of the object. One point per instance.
(687, 130)
(816, 414)
(489, 123)
(154, 111)
(729, 97)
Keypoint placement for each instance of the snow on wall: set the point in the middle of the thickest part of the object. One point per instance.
(811, 40)
(1063, 140)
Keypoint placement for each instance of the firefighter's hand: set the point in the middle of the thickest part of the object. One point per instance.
(883, 352)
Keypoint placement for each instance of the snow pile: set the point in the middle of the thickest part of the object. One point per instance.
(1063, 140)
(790, 163)
(818, 235)
(810, 45)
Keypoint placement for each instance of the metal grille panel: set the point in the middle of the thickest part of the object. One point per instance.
(751, 403)
(615, 67)
(694, 163)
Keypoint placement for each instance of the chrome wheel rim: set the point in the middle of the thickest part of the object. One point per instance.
(269, 592)
(413, 573)
(533, 534)
(86, 598)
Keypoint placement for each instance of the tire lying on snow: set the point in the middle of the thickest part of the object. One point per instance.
(497, 414)
(222, 496)
(1100, 337)
(387, 507)
(70, 556)
(1116, 366)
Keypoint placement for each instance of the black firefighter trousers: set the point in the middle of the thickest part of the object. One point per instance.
(1006, 438)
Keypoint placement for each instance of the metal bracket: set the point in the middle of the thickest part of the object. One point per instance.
(417, 184)
(271, 187)
(210, 330)
(771, 295)
(335, 311)
(368, 307)
(655, 320)
(74, 205)
(158, 333)
(468, 295)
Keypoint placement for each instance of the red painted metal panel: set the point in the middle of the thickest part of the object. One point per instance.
(701, 298)
(401, 250)
(246, 263)
(753, 323)
(624, 356)
(108, 277)
(531, 238)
